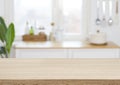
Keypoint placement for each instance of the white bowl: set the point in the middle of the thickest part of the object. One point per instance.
(99, 38)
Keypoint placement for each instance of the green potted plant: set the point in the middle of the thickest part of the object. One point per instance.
(7, 35)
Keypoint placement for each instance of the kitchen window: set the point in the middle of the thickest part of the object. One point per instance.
(42, 12)
(36, 12)
(68, 15)
(72, 13)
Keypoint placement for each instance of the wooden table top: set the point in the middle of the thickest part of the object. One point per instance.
(62, 45)
(59, 69)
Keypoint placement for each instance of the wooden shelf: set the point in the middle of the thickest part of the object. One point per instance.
(63, 45)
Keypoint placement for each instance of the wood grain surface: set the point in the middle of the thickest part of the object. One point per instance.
(63, 45)
(59, 82)
(20, 69)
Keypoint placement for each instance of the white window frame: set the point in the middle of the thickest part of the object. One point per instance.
(8, 14)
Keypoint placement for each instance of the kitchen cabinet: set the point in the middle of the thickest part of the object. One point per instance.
(95, 53)
(66, 50)
(41, 53)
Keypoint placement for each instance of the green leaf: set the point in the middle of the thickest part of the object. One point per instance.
(10, 35)
(3, 23)
(2, 33)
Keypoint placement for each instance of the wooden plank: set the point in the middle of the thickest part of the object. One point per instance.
(59, 82)
(63, 45)
(59, 69)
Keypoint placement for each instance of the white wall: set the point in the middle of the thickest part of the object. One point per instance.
(5, 10)
(113, 32)
(8, 13)
(1, 7)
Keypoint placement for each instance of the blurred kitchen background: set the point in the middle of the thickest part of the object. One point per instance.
(75, 18)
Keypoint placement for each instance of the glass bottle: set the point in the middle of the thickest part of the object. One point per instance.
(27, 28)
(31, 31)
(52, 35)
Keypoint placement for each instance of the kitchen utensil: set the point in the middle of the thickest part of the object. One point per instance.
(117, 13)
(104, 9)
(98, 21)
(117, 4)
(110, 21)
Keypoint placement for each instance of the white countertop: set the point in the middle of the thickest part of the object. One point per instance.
(59, 69)
(65, 44)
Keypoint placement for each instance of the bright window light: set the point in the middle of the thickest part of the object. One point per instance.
(72, 16)
(39, 13)
(36, 12)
